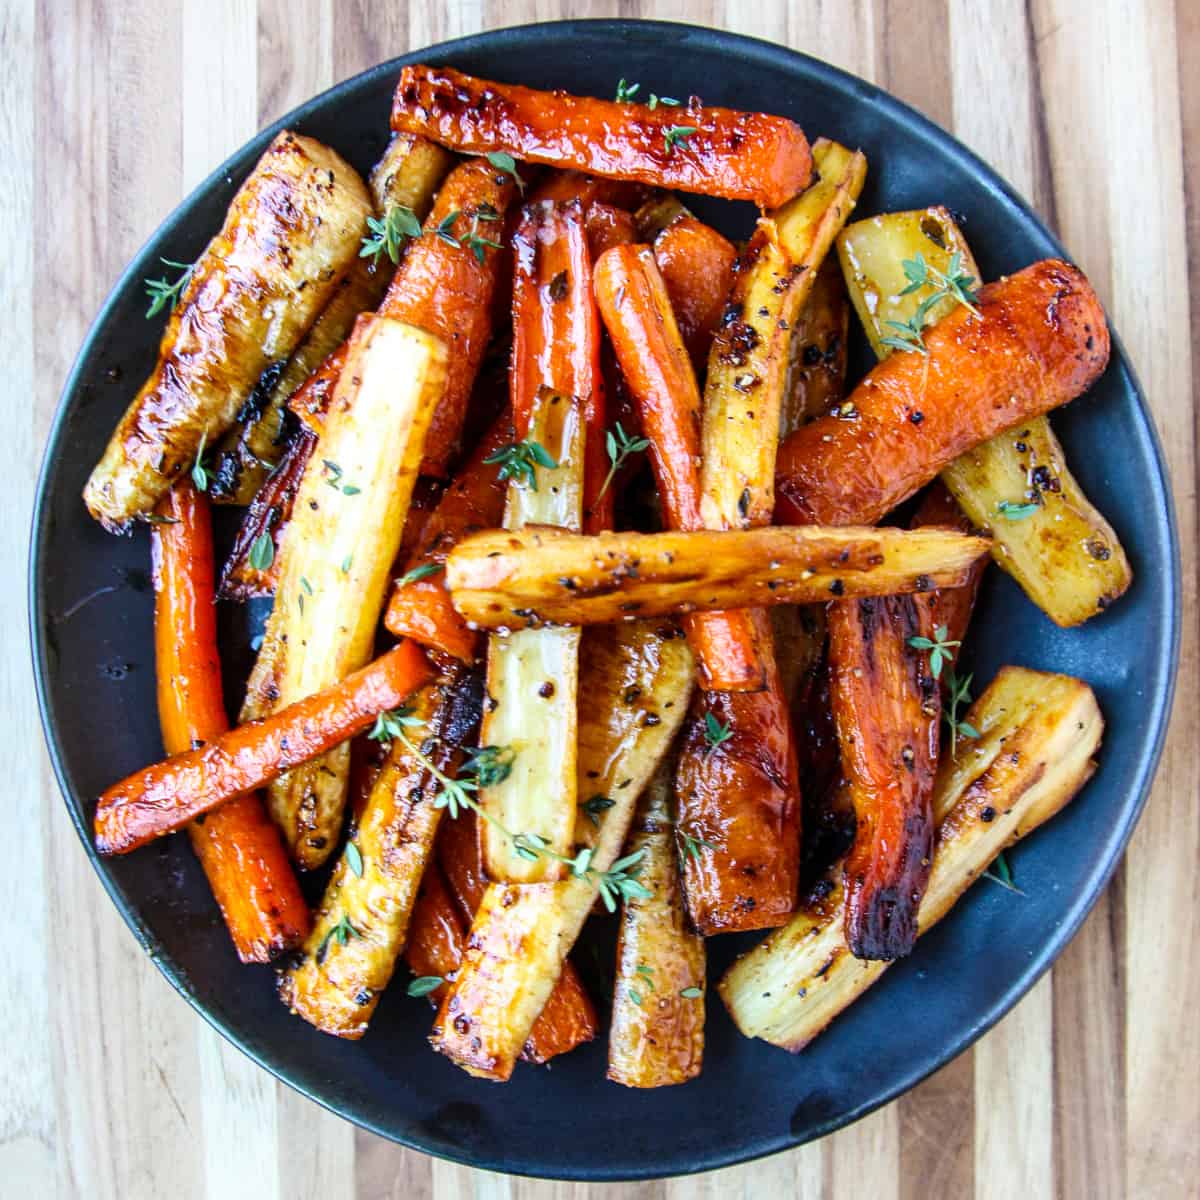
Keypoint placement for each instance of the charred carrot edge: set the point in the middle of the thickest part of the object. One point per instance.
(268, 513)
(697, 267)
(636, 310)
(420, 608)
(716, 151)
(310, 400)
(556, 334)
(161, 798)
(738, 797)
(887, 708)
(238, 846)
(949, 606)
(1040, 340)
(438, 939)
(445, 285)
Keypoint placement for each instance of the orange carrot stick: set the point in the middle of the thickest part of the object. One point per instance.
(637, 313)
(160, 799)
(716, 151)
(697, 266)
(608, 226)
(420, 607)
(238, 846)
(556, 334)
(1040, 340)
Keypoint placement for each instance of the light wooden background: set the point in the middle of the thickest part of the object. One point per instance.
(110, 111)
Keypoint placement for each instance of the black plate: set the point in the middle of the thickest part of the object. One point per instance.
(94, 665)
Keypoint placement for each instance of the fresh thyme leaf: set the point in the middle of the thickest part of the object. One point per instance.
(940, 650)
(262, 552)
(389, 233)
(424, 984)
(669, 101)
(692, 846)
(421, 572)
(199, 471)
(479, 244)
(503, 161)
(306, 585)
(958, 693)
(445, 228)
(341, 933)
(159, 519)
(647, 973)
(334, 470)
(595, 806)
(635, 996)
(692, 993)
(490, 765)
(626, 91)
(955, 284)
(908, 336)
(389, 725)
(517, 461)
(346, 562)
(1000, 872)
(677, 134)
(619, 446)
(716, 733)
(166, 295)
(1012, 510)
(351, 490)
(354, 859)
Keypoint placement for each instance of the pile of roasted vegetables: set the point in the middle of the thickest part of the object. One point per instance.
(581, 603)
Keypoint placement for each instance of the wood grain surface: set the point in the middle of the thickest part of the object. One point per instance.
(110, 111)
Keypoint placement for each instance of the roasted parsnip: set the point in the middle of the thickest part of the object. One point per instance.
(291, 233)
(363, 919)
(166, 796)
(345, 531)
(533, 674)
(1017, 486)
(503, 580)
(748, 363)
(637, 682)
(717, 151)
(1038, 733)
(1039, 340)
(657, 1033)
(816, 373)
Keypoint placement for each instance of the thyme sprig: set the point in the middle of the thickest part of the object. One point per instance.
(958, 693)
(491, 765)
(164, 294)
(620, 446)
(503, 161)
(953, 284)
(518, 460)
(423, 571)
(1000, 872)
(389, 233)
(676, 135)
(716, 733)
(941, 651)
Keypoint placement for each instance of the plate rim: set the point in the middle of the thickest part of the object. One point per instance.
(1112, 848)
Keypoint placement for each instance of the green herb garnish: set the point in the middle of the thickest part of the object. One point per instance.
(262, 552)
(669, 101)
(676, 135)
(422, 572)
(445, 228)
(595, 806)
(503, 161)
(518, 460)
(716, 733)
(940, 650)
(1012, 510)
(389, 233)
(955, 284)
(1000, 872)
(619, 446)
(692, 846)
(166, 295)
(958, 693)
(626, 91)
(424, 984)
(341, 933)
(354, 859)
(199, 470)
(692, 993)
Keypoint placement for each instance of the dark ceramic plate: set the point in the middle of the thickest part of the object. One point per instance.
(93, 657)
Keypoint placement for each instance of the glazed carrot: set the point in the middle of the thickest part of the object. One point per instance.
(887, 709)
(589, 190)
(697, 266)
(949, 606)
(637, 313)
(252, 565)
(608, 226)
(568, 1019)
(311, 399)
(162, 798)
(446, 289)
(717, 151)
(1040, 340)
(420, 608)
(436, 937)
(738, 800)
(238, 846)
(556, 334)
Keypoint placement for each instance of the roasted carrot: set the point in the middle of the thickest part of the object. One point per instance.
(445, 285)
(162, 798)
(436, 937)
(239, 848)
(738, 800)
(637, 313)
(1040, 340)
(310, 401)
(253, 563)
(887, 709)
(717, 151)
(420, 607)
(589, 190)
(697, 266)
(568, 1019)
(556, 334)
(608, 226)
(949, 606)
